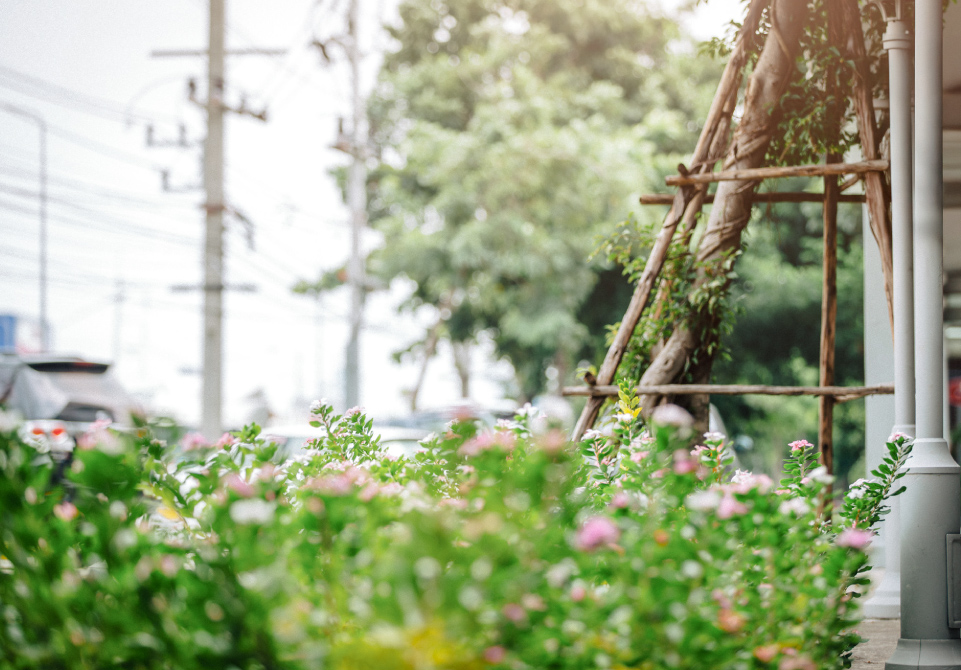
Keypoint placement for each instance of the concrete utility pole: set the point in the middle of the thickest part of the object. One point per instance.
(931, 506)
(886, 601)
(357, 202)
(211, 421)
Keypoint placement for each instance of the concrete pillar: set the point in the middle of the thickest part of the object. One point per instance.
(931, 506)
(886, 601)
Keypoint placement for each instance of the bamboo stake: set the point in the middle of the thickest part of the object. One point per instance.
(869, 166)
(770, 197)
(681, 210)
(840, 393)
(874, 187)
(829, 311)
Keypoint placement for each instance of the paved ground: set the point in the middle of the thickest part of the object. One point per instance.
(880, 639)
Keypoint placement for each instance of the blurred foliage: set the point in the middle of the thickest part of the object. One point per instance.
(510, 135)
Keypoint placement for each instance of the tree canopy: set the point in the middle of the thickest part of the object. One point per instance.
(510, 136)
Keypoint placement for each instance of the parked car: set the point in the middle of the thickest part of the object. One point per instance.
(63, 394)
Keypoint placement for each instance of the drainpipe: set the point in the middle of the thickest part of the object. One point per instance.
(886, 601)
(931, 506)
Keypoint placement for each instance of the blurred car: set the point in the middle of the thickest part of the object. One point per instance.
(292, 439)
(60, 395)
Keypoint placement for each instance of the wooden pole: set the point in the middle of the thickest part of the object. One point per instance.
(770, 197)
(875, 166)
(874, 186)
(829, 310)
(840, 393)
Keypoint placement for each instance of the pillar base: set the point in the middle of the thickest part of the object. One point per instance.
(885, 602)
(929, 654)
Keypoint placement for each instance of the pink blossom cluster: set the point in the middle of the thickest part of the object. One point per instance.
(597, 532)
(487, 440)
(854, 538)
(799, 445)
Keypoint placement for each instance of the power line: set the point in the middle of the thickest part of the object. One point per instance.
(41, 89)
(99, 190)
(123, 227)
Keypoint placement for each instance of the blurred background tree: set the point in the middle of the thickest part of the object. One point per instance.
(510, 136)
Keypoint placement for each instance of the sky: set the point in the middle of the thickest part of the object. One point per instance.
(118, 242)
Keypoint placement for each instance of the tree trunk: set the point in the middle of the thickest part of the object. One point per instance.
(461, 351)
(775, 69)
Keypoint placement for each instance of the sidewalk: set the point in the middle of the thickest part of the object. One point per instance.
(880, 639)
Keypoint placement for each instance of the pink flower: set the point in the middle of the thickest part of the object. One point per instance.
(684, 467)
(553, 441)
(799, 445)
(729, 506)
(855, 538)
(237, 484)
(335, 485)
(495, 654)
(578, 593)
(226, 440)
(353, 411)
(192, 441)
(699, 450)
(65, 511)
(533, 602)
(620, 500)
(766, 653)
(486, 441)
(597, 532)
(639, 456)
(514, 612)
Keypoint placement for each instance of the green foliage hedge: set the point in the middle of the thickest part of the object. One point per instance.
(487, 549)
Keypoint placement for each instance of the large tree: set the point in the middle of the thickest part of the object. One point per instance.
(511, 135)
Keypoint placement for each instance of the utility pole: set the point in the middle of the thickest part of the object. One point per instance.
(211, 419)
(213, 287)
(357, 202)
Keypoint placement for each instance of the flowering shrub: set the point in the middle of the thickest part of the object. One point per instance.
(486, 549)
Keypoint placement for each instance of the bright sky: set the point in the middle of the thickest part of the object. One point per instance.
(118, 242)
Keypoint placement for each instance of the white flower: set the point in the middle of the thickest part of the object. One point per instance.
(741, 476)
(317, 405)
(592, 434)
(821, 475)
(507, 424)
(714, 437)
(703, 501)
(857, 489)
(252, 510)
(528, 411)
(672, 415)
(9, 421)
(797, 506)
(624, 417)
